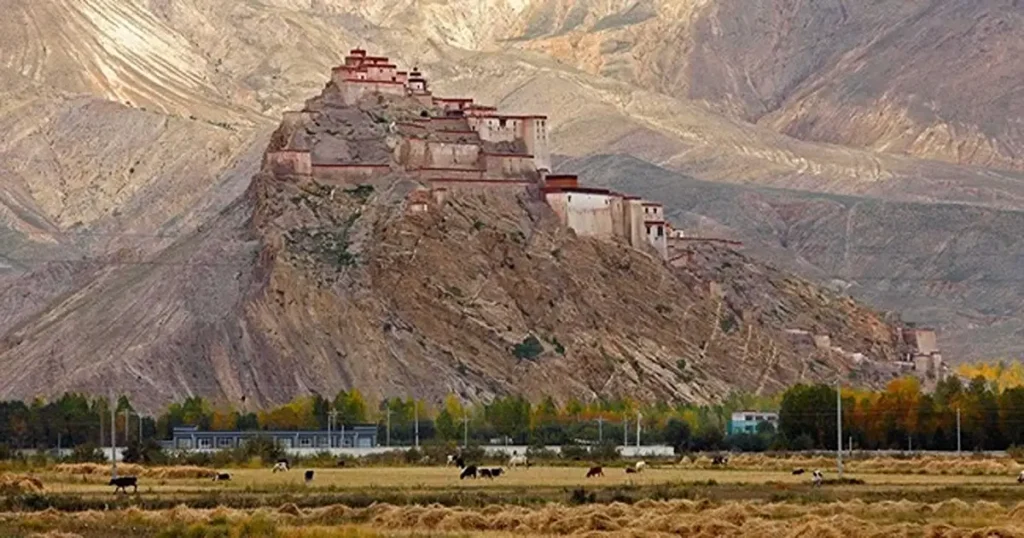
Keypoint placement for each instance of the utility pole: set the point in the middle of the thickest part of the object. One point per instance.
(638, 430)
(600, 430)
(416, 422)
(389, 426)
(625, 431)
(465, 429)
(140, 428)
(126, 430)
(839, 427)
(332, 416)
(113, 441)
(957, 431)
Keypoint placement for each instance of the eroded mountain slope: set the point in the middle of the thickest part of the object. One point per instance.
(303, 287)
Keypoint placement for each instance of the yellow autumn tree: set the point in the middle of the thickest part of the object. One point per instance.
(223, 420)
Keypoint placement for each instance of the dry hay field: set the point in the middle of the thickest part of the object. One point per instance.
(702, 518)
(754, 497)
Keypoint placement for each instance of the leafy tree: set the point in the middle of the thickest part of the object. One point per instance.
(677, 433)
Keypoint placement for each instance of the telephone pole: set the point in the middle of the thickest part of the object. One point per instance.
(416, 422)
(600, 430)
(126, 430)
(113, 441)
(839, 427)
(332, 416)
(625, 431)
(465, 429)
(389, 426)
(957, 431)
(638, 430)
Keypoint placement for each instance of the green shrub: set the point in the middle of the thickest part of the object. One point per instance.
(530, 348)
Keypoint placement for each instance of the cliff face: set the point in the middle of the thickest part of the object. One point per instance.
(304, 286)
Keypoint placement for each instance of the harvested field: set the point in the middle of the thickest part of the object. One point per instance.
(924, 465)
(952, 518)
(539, 501)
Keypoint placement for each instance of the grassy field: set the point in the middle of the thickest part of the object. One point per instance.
(540, 501)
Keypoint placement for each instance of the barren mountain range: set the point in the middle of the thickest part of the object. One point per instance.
(872, 146)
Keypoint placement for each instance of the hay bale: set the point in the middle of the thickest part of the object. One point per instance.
(178, 472)
(17, 484)
(335, 514)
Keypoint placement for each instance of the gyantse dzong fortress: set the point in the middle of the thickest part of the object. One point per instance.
(456, 143)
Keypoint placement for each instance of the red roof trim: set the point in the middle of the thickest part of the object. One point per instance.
(581, 190)
(514, 116)
(454, 99)
(487, 181)
(520, 155)
(653, 204)
(351, 165)
(450, 169)
(653, 222)
(367, 81)
(562, 176)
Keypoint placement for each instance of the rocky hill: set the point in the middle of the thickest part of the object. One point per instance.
(131, 129)
(301, 285)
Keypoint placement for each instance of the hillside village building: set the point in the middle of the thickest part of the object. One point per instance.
(460, 143)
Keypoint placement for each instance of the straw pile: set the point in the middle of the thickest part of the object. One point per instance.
(854, 519)
(177, 472)
(16, 484)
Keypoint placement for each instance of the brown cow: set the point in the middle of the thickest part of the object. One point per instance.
(595, 471)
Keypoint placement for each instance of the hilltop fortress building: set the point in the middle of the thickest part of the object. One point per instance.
(457, 143)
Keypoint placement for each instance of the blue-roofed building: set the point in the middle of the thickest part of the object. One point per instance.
(351, 436)
(747, 421)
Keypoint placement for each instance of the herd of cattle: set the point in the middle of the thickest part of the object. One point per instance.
(121, 483)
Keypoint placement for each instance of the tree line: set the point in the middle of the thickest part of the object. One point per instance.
(898, 417)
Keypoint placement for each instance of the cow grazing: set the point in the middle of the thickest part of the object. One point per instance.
(468, 472)
(122, 483)
(517, 461)
(485, 473)
(280, 467)
(798, 472)
(817, 478)
(309, 475)
(1020, 478)
(595, 471)
(222, 477)
(630, 470)
(640, 466)
(450, 462)
(720, 460)
(496, 472)
(341, 463)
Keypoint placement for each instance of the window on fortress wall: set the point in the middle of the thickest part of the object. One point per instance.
(661, 231)
(501, 122)
(569, 198)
